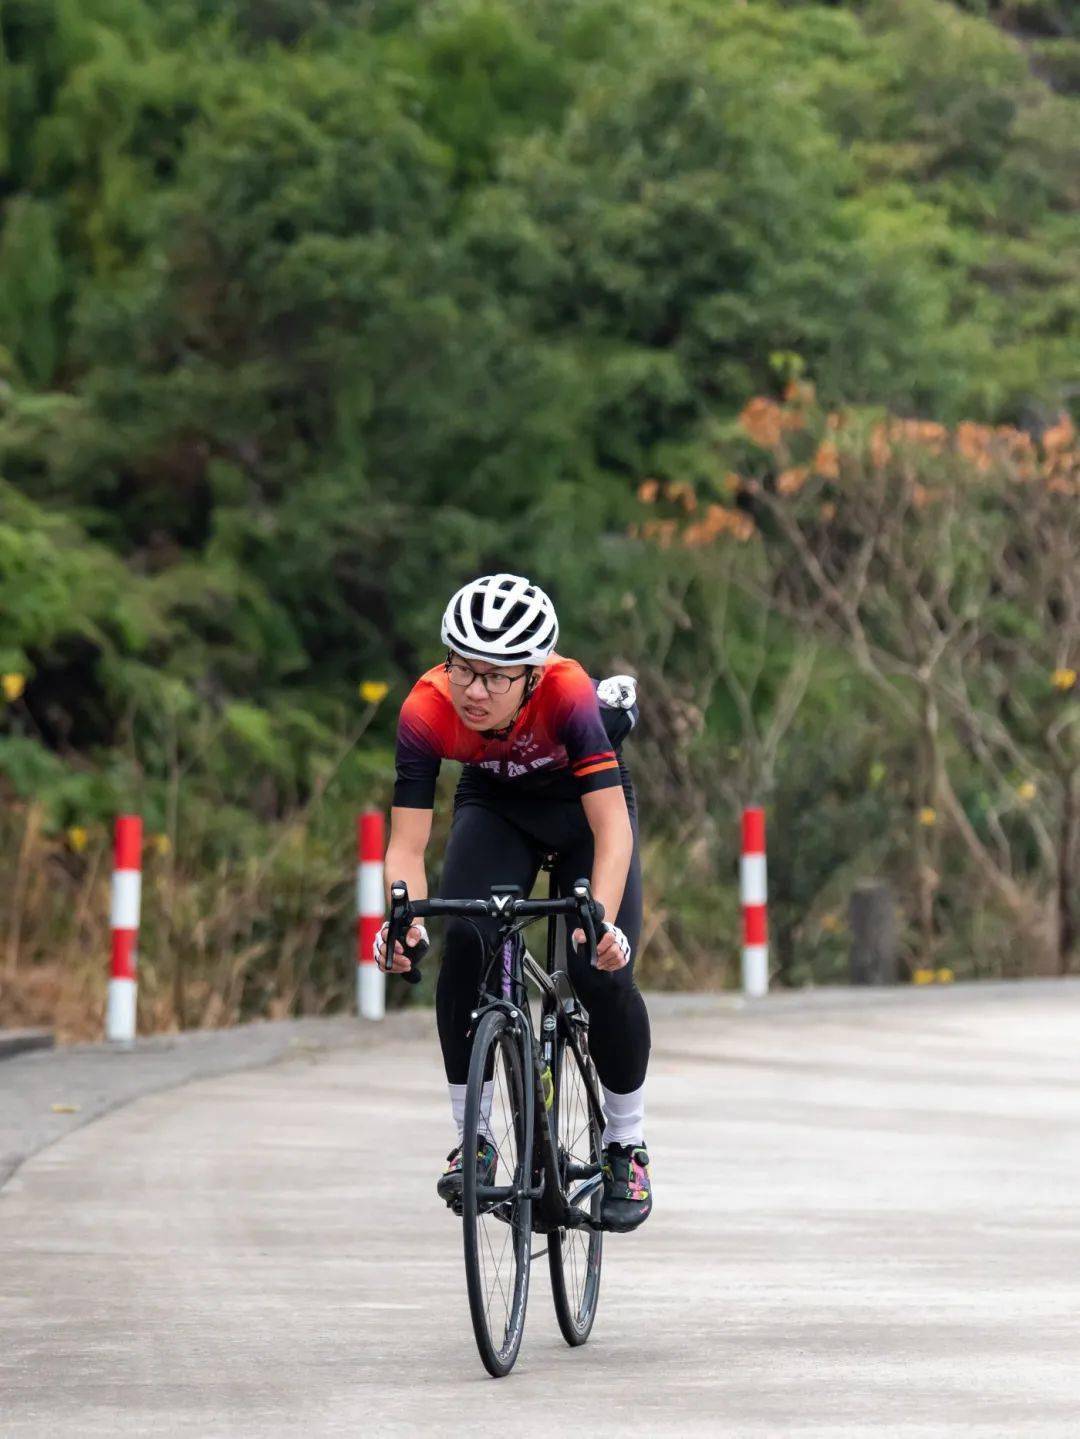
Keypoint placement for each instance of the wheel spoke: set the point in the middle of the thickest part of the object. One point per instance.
(576, 1264)
(507, 1112)
(507, 1143)
(498, 1281)
(497, 1262)
(498, 1275)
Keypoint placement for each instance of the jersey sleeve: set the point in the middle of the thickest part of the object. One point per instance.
(417, 758)
(588, 748)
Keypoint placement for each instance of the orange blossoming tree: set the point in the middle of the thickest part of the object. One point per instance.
(947, 561)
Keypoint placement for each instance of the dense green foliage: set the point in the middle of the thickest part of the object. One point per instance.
(311, 308)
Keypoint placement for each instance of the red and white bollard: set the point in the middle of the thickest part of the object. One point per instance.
(370, 907)
(752, 884)
(126, 899)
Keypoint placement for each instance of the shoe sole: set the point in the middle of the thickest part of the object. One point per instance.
(624, 1226)
(451, 1196)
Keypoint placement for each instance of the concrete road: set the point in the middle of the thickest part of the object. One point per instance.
(867, 1223)
(45, 1094)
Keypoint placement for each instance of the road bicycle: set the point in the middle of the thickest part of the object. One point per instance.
(532, 1090)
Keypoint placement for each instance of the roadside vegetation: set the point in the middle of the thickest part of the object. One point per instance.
(752, 331)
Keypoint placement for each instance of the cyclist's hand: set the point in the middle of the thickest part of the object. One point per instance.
(612, 946)
(618, 692)
(401, 962)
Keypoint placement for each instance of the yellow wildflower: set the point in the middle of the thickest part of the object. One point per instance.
(373, 692)
(945, 976)
(928, 816)
(923, 976)
(1062, 679)
(12, 685)
(1026, 791)
(77, 837)
(161, 844)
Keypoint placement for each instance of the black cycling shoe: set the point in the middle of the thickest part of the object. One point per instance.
(627, 1187)
(449, 1185)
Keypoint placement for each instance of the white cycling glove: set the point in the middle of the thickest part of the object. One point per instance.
(378, 949)
(618, 692)
(621, 941)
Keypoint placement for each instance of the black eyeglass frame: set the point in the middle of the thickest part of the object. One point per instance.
(450, 662)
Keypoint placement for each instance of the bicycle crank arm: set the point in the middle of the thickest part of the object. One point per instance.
(584, 1191)
(505, 1193)
(582, 1171)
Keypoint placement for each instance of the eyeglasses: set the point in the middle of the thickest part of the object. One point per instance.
(496, 682)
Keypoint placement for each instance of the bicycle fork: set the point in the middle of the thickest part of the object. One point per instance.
(564, 1208)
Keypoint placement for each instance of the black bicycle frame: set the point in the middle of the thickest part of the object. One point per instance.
(513, 913)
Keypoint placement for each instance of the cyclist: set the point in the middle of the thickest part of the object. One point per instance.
(541, 775)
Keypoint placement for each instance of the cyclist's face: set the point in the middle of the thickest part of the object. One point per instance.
(475, 706)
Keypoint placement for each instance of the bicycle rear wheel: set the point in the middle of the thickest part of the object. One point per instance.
(574, 1255)
(497, 1229)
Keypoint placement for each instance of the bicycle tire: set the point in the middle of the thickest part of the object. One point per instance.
(575, 1255)
(498, 1350)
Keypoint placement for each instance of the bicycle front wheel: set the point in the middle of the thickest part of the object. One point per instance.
(497, 1219)
(574, 1254)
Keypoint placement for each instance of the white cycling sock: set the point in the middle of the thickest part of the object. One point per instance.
(457, 1108)
(625, 1115)
(486, 1097)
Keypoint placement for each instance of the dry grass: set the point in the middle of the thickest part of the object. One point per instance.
(54, 908)
(240, 939)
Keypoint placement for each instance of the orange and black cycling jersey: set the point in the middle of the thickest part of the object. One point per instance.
(558, 731)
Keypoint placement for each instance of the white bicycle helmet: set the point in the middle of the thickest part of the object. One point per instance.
(503, 619)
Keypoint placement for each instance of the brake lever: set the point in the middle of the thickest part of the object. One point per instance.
(401, 919)
(591, 913)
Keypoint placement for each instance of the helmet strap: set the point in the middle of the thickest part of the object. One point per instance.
(532, 679)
